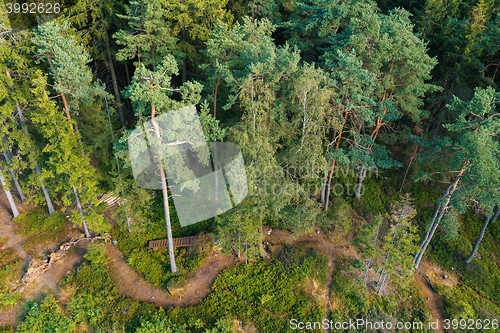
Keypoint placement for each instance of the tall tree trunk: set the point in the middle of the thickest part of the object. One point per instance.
(438, 214)
(79, 207)
(7, 155)
(408, 168)
(359, 184)
(171, 254)
(12, 203)
(481, 234)
(327, 188)
(117, 164)
(381, 283)
(184, 70)
(184, 61)
(368, 264)
(239, 244)
(336, 139)
(116, 91)
(127, 74)
(50, 206)
(37, 168)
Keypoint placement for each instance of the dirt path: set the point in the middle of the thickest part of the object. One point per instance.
(329, 250)
(7, 229)
(432, 300)
(130, 284)
(318, 240)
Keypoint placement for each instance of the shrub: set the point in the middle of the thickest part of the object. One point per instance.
(46, 317)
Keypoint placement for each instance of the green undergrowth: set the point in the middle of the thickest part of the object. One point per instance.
(338, 222)
(40, 228)
(266, 294)
(89, 303)
(483, 273)
(10, 270)
(377, 192)
(154, 265)
(462, 303)
(350, 299)
(46, 316)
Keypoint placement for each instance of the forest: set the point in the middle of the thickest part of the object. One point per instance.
(346, 166)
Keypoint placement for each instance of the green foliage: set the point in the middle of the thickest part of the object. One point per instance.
(480, 275)
(450, 224)
(46, 317)
(338, 219)
(158, 325)
(64, 159)
(68, 60)
(95, 254)
(463, 303)
(399, 244)
(351, 300)
(152, 264)
(8, 274)
(148, 37)
(238, 292)
(40, 228)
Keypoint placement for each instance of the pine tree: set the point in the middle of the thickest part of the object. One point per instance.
(191, 22)
(150, 93)
(76, 177)
(272, 96)
(67, 60)
(472, 156)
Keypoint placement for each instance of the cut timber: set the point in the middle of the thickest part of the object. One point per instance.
(178, 242)
(110, 199)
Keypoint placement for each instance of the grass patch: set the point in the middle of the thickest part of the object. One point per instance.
(10, 270)
(154, 265)
(40, 228)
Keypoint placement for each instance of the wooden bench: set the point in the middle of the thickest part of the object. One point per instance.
(178, 242)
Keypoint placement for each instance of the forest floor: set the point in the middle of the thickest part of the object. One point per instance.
(131, 284)
(198, 286)
(48, 280)
(433, 301)
(319, 241)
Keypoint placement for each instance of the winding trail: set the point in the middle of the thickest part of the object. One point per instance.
(131, 284)
(432, 300)
(317, 240)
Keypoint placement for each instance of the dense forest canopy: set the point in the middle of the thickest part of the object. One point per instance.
(377, 122)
